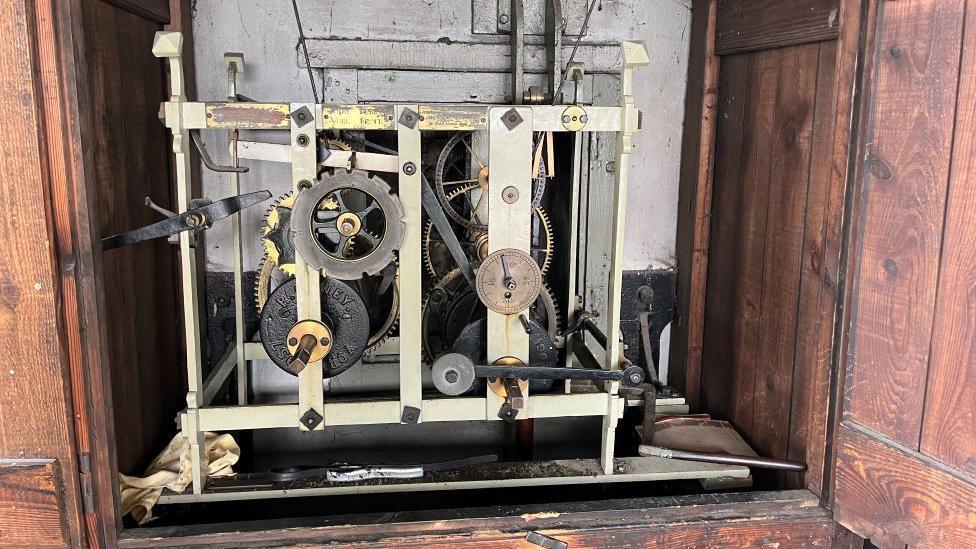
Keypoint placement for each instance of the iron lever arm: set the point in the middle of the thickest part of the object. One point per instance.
(632, 375)
(209, 163)
(197, 218)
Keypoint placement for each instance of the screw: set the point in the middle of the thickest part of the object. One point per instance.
(301, 115)
(293, 342)
(324, 342)
(513, 118)
(611, 166)
(566, 119)
(503, 19)
(584, 118)
(409, 168)
(302, 140)
(635, 378)
(510, 195)
(451, 376)
(895, 51)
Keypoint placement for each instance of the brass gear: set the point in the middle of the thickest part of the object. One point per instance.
(434, 264)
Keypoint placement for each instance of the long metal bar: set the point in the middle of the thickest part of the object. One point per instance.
(634, 55)
(274, 116)
(169, 45)
(510, 160)
(235, 181)
(311, 393)
(377, 412)
(638, 469)
(408, 149)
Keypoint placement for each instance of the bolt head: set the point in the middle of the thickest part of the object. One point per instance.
(503, 19)
(293, 342)
(324, 342)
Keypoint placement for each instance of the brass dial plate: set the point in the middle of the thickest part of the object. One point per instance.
(496, 292)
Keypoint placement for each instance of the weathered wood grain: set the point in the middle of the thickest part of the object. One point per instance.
(452, 87)
(36, 380)
(817, 284)
(750, 245)
(896, 496)
(902, 221)
(31, 503)
(784, 519)
(949, 426)
(716, 368)
(449, 56)
(790, 157)
(749, 25)
(695, 203)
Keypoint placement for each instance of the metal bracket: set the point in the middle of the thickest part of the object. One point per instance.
(410, 414)
(302, 116)
(409, 118)
(511, 119)
(535, 538)
(311, 419)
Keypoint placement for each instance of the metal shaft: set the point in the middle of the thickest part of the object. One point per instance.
(728, 459)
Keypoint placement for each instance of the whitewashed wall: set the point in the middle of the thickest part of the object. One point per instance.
(264, 30)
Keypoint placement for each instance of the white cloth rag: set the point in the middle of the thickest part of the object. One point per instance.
(172, 469)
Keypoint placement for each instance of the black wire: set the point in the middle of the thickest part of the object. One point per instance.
(301, 40)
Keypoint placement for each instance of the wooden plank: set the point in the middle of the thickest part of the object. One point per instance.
(31, 503)
(950, 408)
(895, 496)
(784, 519)
(449, 56)
(695, 203)
(817, 284)
(156, 11)
(749, 25)
(452, 87)
(905, 193)
(35, 385)
(750, 242)
(734, 89)
(789, 152)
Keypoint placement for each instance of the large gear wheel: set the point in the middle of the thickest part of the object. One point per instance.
(458, 166)
(438, 261)
(384, 307)
(348, 224)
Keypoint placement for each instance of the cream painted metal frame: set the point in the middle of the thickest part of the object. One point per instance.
(506, 338)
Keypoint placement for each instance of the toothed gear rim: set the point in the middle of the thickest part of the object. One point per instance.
(313, 228)
(342, 311)
(441, 180)
(543, 253)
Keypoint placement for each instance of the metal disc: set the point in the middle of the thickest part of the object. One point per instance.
(526, 279)
(453, 374)
(378, 225)
(343, 312)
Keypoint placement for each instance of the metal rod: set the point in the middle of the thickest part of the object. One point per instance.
(301, 41)
(727, 459)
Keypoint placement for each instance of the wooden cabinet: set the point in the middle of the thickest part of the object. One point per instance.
(825, 284)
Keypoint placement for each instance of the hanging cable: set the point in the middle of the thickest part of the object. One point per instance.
(301, 41)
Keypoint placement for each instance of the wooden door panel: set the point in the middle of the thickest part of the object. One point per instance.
(950, 396)
(32, 503)
(906, 447)
(905, 189)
